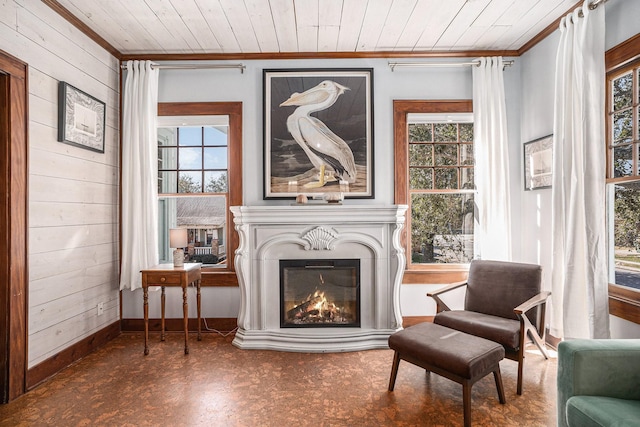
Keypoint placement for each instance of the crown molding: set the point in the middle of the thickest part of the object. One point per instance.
(315, 55)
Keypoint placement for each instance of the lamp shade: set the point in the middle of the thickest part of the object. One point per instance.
(178, 237)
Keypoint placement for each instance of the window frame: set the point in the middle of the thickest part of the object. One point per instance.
(624, 302)
(219, 276)
(420, 273)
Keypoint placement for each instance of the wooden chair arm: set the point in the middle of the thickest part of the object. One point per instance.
(534, 301)
(440, 305)
(449, 287)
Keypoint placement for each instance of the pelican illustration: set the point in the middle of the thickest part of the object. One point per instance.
(323, 147)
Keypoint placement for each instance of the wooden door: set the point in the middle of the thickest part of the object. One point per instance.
(13, 227)
(4, 300)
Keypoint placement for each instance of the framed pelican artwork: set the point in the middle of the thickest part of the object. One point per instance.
(318, 133)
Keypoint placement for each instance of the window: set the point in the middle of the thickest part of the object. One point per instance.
(192, 159)
(623, 179)
(199, 177)
(434, 177)
(441, 188)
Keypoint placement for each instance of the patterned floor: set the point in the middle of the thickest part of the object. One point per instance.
(218, 384)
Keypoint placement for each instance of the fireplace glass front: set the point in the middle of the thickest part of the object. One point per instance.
(319, 293)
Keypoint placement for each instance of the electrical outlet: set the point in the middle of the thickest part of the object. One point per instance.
(100, 308)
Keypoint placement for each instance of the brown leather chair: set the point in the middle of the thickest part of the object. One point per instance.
(502, 303)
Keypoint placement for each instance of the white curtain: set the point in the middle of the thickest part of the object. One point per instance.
(579, 275)
(493, 227)
(139, 173)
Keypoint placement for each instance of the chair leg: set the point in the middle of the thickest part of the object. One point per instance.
(394, 370)
(520, 370)
(539, 343)
(466, 403)
(498, 377)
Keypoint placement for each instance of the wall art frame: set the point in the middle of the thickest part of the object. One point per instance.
(538, 158)
(317, 119)
(81, 118)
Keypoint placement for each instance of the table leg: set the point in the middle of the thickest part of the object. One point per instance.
(199, 298)
(145, 299)
(185, 310)
(162, 305)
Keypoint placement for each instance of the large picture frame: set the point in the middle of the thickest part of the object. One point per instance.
(318, 119)
(81, 118)
(538, 156)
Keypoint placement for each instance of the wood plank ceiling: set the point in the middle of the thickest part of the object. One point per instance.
(441, 27)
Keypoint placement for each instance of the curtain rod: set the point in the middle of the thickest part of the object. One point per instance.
(393, 65)
(592, 6)
(241, 67)
(596, 3)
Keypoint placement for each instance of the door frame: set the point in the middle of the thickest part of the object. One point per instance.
(13, 225)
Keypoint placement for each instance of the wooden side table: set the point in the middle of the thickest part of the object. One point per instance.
(167, 275)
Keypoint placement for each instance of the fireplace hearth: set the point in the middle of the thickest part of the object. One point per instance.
(319, 293)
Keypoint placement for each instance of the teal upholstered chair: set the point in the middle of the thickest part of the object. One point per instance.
(599, 383)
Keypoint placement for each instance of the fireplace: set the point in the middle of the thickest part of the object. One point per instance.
(319, 293)
(322, 238)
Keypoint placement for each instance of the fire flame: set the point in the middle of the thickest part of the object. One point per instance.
(316, 308)
(321, 303)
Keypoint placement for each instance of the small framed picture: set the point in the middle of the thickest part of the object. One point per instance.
(81, 118)
(538, 161)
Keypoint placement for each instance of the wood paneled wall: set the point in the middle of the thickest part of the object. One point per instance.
(73, 192)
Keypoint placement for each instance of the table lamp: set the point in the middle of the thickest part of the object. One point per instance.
(178, 240)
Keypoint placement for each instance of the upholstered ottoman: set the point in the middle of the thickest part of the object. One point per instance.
(460, 357)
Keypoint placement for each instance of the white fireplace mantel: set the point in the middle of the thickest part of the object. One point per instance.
(271, 233)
